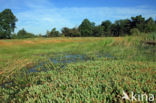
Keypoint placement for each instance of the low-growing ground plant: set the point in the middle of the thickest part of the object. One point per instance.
(77, 70)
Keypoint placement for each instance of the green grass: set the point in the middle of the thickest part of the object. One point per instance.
(131, 67)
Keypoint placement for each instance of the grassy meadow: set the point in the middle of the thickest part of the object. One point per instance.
(99, 69)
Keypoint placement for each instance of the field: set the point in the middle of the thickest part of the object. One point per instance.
(77, 70)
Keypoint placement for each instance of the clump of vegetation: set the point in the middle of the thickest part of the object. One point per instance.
(74, 32)
(115, 65)
(7, 23)
(24, 34)
(150, 37)
(123, 27)
(135, 32)
(93, 81)
(86, 28)
(53, 33)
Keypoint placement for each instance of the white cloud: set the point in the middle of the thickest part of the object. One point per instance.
(43, 15)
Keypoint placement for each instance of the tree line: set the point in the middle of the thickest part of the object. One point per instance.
(132, 26)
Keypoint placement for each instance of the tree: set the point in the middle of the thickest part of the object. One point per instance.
(150, 25)
(98, 31)
(123, 26)
(24, 34)
(127, 26)
(138, 22)
(66, 31)
(53, 33)
(115, 30)
(107, 27)
(74, 32)
(21, 32)
(7, 23)
(86, 28)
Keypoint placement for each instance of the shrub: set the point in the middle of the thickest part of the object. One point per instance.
(53, 33)
(73, 32)
(150, 37)
(134, 31)
(24, 34)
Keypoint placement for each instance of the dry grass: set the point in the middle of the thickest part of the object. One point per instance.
(44, 41)
(16, 58)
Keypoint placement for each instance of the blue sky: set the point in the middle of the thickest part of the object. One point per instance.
(37, 16)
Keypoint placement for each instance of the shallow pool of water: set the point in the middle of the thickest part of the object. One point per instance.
(62, 60)
(65, 59)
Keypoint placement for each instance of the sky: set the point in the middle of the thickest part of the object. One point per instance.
(38, 16)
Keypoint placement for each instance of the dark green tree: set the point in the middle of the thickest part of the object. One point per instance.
(21, 33)
(150, 25)
(138, 22)
(7, 23)
(66, 32)
(74, 32)
(53, 33)
(107, 27)
(98, 31)
(24, 34)
(86, 28)
(123, 26)
(115, 29)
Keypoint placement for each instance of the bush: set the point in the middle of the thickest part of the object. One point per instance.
(150, 37)
(53, 33)
(74, 32)
(86, 28)
(134, 31)
(24, 34)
